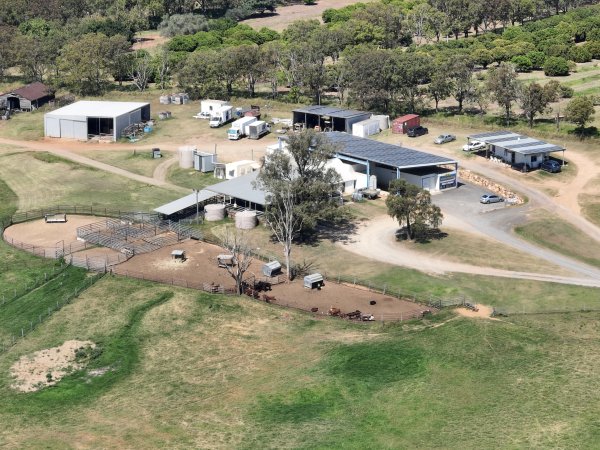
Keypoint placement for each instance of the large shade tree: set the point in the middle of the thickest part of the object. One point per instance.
(411, 206)
(299, 187)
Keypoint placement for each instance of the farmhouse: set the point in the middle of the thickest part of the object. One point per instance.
(517, 149)
(27, 98)
(327, 118)
(85, 119)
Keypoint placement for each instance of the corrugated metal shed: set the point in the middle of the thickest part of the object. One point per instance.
(382, 153)
(515, 142)
(241, 188)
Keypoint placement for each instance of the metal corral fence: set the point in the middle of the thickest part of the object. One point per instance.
(147, 221)
(27, 328)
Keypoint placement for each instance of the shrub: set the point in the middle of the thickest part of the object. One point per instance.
(178, 24)
(537, 59)
(522, 63)
(555, 66)
(565, 91)
(594, 48)
(482, 57)
(580, 54)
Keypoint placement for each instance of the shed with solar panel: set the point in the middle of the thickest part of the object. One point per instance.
(520, 151)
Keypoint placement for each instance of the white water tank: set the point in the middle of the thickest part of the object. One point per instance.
(214, 212)
(245, 220)
(384, 121)
(186, 156)
(372, 182)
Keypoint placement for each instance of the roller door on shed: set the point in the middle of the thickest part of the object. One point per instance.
(428, 182)
(72, 129)
(52, 127)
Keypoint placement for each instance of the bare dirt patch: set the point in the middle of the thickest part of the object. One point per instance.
(201, 267)
(482, 312)
(52, 237)
(47, 367)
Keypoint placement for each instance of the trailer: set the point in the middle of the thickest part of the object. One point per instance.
(221, 116)
(258, 129)
(248, 111)
(239, 128)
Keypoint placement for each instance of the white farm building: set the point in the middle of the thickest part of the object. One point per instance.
(81, 120)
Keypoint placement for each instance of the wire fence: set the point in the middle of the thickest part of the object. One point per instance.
(31, 325)
(15, 293)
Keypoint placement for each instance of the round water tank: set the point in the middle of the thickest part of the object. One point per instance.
(186, 157)
(214, 212)
(384, 121)
(245, 220)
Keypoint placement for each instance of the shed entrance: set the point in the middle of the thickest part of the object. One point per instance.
(98, 126)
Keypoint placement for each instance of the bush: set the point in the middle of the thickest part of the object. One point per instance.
(594, 48)
(537, 59)
(555, 66)
(179, 24)
(580, 54)
(482, 57)
(522, 63)
(565, 91)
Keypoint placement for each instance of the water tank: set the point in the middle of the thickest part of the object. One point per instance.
(372, 182)
(245, 220)
(384, 121)
(214, 212)
(186, 156)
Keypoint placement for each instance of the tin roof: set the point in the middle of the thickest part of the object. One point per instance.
(515, 142)
(31, 92)
(331, 111)
(382, 153)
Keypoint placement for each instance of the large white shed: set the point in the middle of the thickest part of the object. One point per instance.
(83, 119)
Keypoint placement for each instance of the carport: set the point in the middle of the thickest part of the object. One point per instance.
(517, 149)
(327, 118)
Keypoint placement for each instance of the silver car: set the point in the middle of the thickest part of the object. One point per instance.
(490, 198)
(443, 138)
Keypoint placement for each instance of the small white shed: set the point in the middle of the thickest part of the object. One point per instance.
(366, 128)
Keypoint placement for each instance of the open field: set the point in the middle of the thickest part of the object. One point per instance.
(201, 371)
(42, 179)
(285, 15)
(560, 236)
(136, 161)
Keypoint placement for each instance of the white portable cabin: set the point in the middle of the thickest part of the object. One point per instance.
(210, 106)
(366, 128)
(235, 169)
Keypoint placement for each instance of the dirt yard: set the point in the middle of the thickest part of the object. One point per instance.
(46, 367)
(201, 267)
(52, 236)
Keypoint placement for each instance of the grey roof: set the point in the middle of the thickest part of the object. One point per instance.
(330, 111)
(240, 187)
(382, 153)
(185, 202)
(517, 143)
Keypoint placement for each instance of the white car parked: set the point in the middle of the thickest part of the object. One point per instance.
(474, 146)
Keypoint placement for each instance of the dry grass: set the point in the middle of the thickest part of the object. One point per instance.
(134, 160)
(40, 181)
